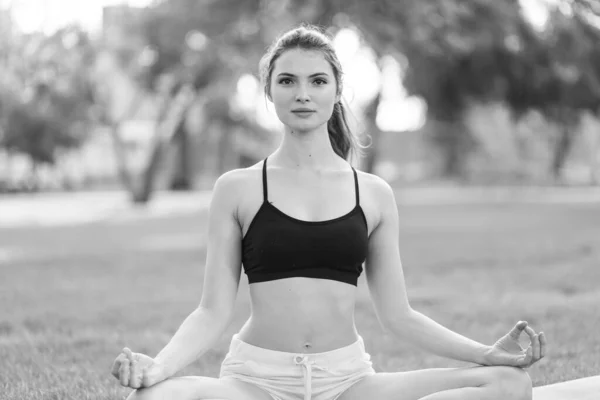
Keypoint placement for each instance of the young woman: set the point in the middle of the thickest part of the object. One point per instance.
(302, 222)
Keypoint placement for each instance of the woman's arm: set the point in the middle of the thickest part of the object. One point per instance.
(429, 335)
(386, 283)
(203, 327)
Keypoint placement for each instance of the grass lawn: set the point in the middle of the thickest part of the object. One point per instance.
(72, 297)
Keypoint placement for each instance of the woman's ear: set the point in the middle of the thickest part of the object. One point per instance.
(338, 94)
(268, 94)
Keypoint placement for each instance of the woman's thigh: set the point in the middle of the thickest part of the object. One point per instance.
(414, 385)
(200, 388)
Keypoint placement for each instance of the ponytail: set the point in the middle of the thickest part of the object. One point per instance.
(344, 143)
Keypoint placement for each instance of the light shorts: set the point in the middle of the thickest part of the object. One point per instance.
(298, 376)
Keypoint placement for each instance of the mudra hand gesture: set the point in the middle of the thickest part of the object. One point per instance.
(508, 351)
(136, 370)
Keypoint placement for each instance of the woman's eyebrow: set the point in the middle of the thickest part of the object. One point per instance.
(310, 76)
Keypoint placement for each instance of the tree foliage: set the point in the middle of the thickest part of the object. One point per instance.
(476, 50)
(48, 105)
(457, 52)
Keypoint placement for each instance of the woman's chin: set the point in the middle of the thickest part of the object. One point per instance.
(302, 127)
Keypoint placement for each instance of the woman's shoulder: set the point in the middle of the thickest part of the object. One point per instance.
(238, 175)
(373, 184)
(376, 197)
(235, 182)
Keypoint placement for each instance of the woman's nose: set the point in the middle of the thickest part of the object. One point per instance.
(302, 94)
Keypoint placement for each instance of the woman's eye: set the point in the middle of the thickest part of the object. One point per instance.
(285, 81)
(320, 82)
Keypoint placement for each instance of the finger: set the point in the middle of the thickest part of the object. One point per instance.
(529, 330)
(516, 331)
(128, 353)
(535, 345)
(135, 378)
(124, 373)
(116, 365)
(543, 343)
(524, 359)
(521, 360)
(528, 356)
(145, 379)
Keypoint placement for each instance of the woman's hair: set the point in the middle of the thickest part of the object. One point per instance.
(309, 37)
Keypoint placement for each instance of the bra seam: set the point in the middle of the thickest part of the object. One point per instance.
(264, 182)
(253, 221)
(357, 193)
(326, 221)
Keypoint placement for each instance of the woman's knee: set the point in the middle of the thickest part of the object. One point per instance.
(139, 394)
(155, 392)
(143, 394)
(173, 388)
(512, 383)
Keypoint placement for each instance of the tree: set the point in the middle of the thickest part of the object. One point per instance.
(206, 46)
(573, 48)
(458, 52)
(476, 50)
(48, 102)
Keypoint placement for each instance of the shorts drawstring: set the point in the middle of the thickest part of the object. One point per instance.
(308, 365)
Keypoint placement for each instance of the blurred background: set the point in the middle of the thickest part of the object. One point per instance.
(116, 118)
(145, 95)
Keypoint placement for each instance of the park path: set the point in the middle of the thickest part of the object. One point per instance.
(72, 208)
(63, 209)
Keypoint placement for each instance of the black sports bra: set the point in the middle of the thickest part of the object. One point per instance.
(278, 246)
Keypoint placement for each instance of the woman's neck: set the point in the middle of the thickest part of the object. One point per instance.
(311, 151)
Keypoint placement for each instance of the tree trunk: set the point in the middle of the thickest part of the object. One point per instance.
(35, 185)
(455, 144)
(120, 147)
(121, 158)
(223, 146)
(375, 133)
(166, 129)
(182, 174)
(561, 150)
(595, 160)
(453, 166)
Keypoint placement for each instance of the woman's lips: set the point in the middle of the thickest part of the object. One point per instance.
(303, 113)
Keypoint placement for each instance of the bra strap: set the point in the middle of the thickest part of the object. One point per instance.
(356, 187)
(264, 176)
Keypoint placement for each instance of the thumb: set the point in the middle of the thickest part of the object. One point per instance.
(516, 331)
(511, 359)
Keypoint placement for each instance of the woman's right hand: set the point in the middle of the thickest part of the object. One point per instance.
(136, 370)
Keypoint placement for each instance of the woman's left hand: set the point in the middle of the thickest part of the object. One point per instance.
(508, 351)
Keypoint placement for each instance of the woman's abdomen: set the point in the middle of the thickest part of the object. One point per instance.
(301, 315)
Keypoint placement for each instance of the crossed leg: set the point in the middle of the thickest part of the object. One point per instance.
(200, 388)
(469, 383)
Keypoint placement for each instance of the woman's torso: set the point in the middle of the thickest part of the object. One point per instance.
(303, 314)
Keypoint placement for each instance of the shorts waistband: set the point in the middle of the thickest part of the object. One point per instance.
(239, 348)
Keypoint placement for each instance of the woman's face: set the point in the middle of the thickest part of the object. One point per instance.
(303, 89)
